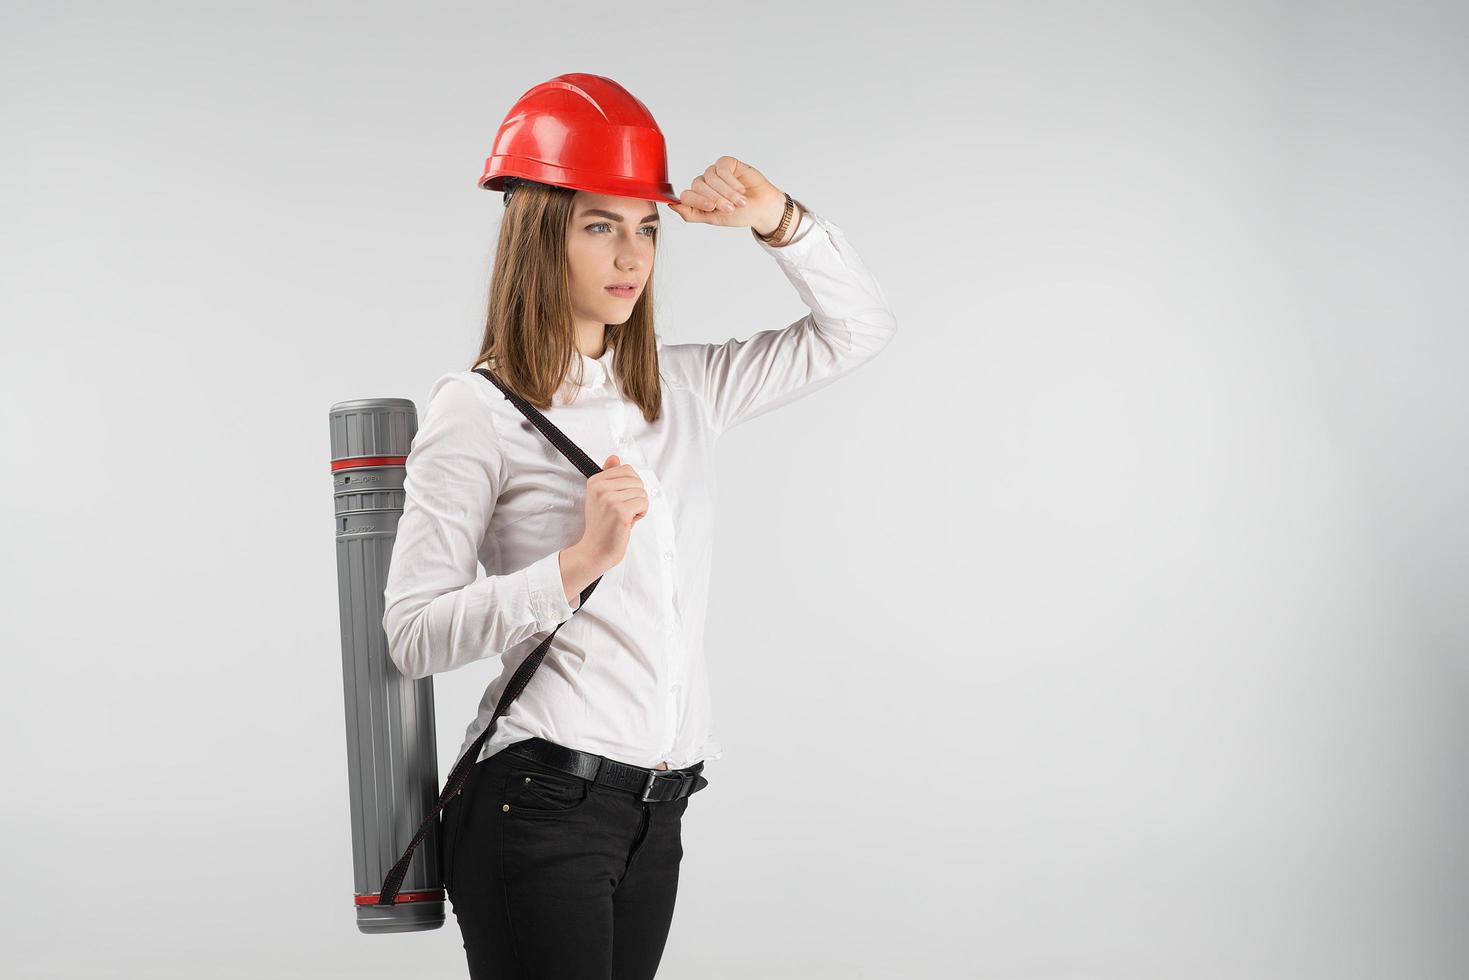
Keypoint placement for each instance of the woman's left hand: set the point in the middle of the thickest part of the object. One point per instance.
(734, 195)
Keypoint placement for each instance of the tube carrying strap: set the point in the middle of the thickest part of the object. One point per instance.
(393, 881)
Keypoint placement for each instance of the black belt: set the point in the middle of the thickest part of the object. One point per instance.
(650, 785)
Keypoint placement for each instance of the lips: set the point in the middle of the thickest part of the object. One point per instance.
(626, 292)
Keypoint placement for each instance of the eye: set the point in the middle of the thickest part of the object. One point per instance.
(606, 224)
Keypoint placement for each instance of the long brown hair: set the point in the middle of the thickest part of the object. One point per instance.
(528, 329)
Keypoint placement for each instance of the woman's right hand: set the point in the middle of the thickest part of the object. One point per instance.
(616, 500)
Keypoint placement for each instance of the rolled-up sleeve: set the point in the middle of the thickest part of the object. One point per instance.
(849, 322)
(436, 615)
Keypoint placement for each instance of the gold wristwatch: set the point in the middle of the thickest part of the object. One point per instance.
(780, 229)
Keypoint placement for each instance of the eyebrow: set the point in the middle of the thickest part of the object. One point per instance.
(615, 216)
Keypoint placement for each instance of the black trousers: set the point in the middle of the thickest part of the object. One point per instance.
(553, 876)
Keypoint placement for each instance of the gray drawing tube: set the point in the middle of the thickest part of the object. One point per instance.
(392, 760)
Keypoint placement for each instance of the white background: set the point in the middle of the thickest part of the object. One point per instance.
(1110, 624)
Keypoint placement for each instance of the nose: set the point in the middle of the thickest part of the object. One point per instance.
(629, 256)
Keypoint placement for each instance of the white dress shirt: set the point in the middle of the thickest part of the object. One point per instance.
(626, 677)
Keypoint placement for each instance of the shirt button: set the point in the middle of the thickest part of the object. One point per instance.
(655, 491)
(668, 556)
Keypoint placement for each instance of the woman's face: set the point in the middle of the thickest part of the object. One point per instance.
(610, 241)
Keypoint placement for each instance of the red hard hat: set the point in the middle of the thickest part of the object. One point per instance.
(584, 132)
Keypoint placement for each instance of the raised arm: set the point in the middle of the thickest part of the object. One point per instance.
(848, 323)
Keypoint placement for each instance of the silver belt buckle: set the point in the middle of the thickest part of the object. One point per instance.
(653, 777)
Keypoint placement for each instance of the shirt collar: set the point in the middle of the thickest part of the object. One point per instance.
(597, 371)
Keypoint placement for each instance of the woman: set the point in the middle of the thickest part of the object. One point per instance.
(561, 855)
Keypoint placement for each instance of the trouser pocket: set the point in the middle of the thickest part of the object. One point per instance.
(531, 787)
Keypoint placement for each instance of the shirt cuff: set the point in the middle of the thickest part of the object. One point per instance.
(547, 595)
